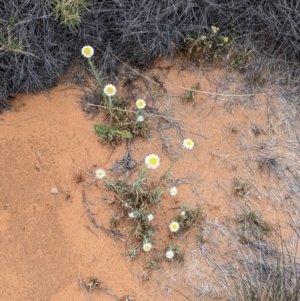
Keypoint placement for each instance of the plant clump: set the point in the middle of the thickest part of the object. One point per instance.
(185, 219)
(67, 12)
(139, 201)
(204, 50)
(123, 123)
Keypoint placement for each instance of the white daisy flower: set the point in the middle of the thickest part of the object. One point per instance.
(150, 217)
(147, 247)
(140, 103)
(87, 51)
(100, 173)
(152, 161)
(140, 118)
(174, 227)
(188, 143)
(169, 254)
(110, 90)
(173, 191)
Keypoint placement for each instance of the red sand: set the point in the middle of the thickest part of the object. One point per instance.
(47, 240)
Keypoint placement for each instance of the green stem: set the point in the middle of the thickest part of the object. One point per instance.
(168, 171)
(97, 77)
(110, 106)
(110, 102)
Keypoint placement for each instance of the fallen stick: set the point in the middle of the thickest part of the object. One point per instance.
(115, 234)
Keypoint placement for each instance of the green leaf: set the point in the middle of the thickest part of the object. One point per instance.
(115, 127)
(126, 134)
(99, 129)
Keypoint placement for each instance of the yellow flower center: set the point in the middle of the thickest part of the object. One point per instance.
(110, 90)
(153, 161)
(140, 103)
(87, 50)
(189, 142)
(174, 226)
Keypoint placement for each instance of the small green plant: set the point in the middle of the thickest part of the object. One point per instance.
(112, 135)
(138, 127)
(115, 108)
(95, 284)
(138, 200)
(132, 252)
(138, 124)
(68, 11)
(241, 187)
(171, 253)
(12, 43)
(154, 263)
(207, 48)
(187, 217)
(144, 232)
(190, 95)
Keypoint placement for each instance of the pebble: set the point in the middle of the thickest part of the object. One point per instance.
(131, 164)
(54, 190)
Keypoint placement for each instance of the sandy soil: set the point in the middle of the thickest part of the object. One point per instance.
(48, 240)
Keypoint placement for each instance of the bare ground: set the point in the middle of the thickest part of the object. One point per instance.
(48, 242)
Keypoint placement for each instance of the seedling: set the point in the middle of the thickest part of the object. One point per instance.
(190, 95)
(132, 252)
(153, 264)
(241, 187)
